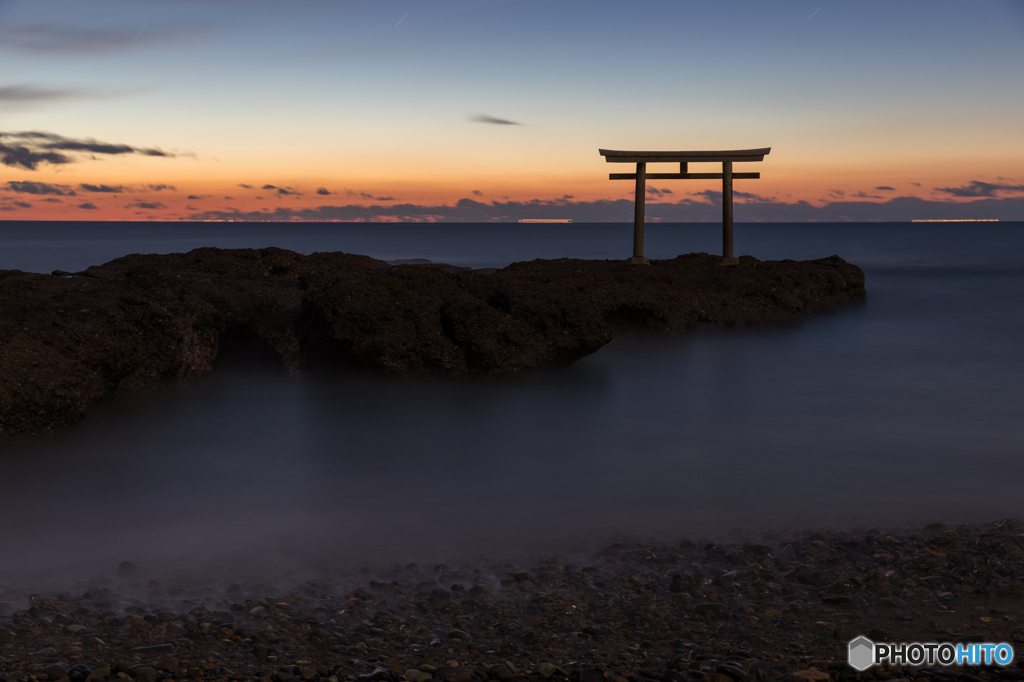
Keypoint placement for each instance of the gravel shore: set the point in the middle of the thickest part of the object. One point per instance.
(773, 608)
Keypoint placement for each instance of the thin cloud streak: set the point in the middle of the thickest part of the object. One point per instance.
(484, 118)
(38, 188)
(53, 38)
(21, 96)
(977, 188)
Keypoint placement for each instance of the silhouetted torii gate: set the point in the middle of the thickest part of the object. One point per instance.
(641, 159)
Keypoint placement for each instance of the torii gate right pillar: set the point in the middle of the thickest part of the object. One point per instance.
(727, 210)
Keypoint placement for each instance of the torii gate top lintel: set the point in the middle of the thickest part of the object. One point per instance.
(614, 156)
(725, 157)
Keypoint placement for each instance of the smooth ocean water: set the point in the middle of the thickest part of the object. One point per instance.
(906, 409)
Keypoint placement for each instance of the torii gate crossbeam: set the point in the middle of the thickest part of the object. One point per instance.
(641, 159)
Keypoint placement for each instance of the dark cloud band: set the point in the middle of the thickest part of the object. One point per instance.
(30, 149)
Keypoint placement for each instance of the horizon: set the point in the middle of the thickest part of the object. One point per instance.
(494, 111)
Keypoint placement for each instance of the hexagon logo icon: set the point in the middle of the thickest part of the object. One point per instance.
(862, 653)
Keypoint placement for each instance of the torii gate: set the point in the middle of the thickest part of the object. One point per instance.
(641, 159)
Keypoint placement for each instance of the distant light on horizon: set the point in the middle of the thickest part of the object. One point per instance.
(545, 220)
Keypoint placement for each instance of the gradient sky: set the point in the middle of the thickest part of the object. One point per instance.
(875, 110)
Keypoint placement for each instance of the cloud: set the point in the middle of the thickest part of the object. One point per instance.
(246, 186)
(31, 148)
(18, 156)
(29, 187)
(269, 187)
(52, 38)
(916, 184)
(477, 193)
(160, 188)
(698, 207)
(19, 96)
(150, 205)
(885, 188)
(366, 195)
(104, 189)
(194, 197)
(285, 191)
(323, 191)
(976, 188)
(23, 204)
(484, 118)
(88, 206)
(865, 195)
(52, 200)
(655, 192)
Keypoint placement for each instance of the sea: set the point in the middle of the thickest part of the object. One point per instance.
(903, 410)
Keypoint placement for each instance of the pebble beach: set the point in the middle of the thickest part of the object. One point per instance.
(770, 608)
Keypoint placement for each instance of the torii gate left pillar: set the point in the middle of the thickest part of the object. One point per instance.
(641, 159)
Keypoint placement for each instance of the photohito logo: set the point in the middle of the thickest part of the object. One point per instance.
(863, 653)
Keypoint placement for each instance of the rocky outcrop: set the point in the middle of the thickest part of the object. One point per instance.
(67, 341)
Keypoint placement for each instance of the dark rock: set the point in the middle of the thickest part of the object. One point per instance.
(708, 609)
(145, 322)
(845, 633)
(146, 673)
(79, 672)
(56, 672)
(589, 675)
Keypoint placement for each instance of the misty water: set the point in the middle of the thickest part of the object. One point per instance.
(906, 409)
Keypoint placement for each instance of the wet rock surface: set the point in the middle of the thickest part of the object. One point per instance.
(775, 609)
(67, 341)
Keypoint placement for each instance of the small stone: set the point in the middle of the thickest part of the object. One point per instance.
(48, 651)
(56, 672)
(417, 675)
(545, 669)
(378, 675)
(710, 608)
(522, 577)
(845, 633)
(716, 677)
(756, 665)
(79, 672)
(812, 675)
(499, 671)
(146, 673)
(732, 671)
(216, 671)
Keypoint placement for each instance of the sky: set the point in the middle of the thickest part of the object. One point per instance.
(486, 110)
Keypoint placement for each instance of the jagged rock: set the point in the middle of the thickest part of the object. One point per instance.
(145, 322)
